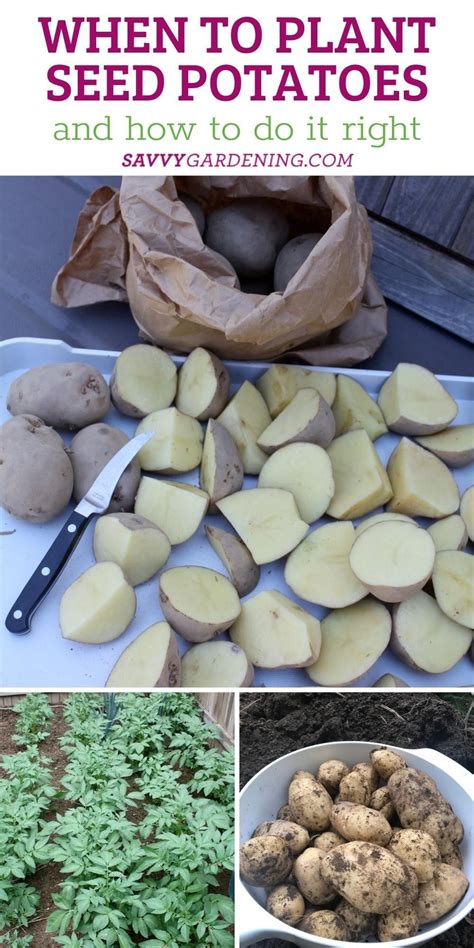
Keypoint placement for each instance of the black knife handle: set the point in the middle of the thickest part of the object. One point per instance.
(47, 572)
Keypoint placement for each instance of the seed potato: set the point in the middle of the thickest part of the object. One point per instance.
(236, 558)
(414, 402)
(216, 665)
(36, 476)
(176, 446)
(91, 449)
(198, 602)
(203, 385)
(222, 471)
(98, 606)
(354, 408)
(280, 383)
(453, 584)
(136, 544)
(143, 381)
(305, 470)
(307, 418)
(265, 861)
(176, 508)
(150, 661)
(249, 233)
(449, 533)
(361, 480)
(467, 511)
(245, 417)
(454, 446)
(422, 485)
(291, 257)
(426, 638)
(67, 395)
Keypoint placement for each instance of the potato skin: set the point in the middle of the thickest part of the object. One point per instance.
(418, 850)
(310, 803)
(437, 897)
(308, 877)
(403, 923)
(265, 861)
(296, 837)
(369, 774)
(369, 877)
(236, 558)
(382, 801)
(284, 813)
(67, 395)
(36, 477)
(359, 924)
(354, 788)
(326, 924)
(229, 469)
(386, 762)
(330, 774)
(328, 840)
(221, 394)
(249, 233)
(90, 451)
(286, 903)
(420, 805)
(356, 822)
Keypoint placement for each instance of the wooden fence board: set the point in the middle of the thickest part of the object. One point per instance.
(372, 191)
(434, 207)
(464, 241)
(219, 706)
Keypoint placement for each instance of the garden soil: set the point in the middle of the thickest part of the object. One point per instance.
(276, 724)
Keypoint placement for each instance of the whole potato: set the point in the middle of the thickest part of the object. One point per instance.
(36, 476)
(369, 773)
(64, 394)
(369, 877)
(90, 450)
(403, 923)
(382, 801)
(286, 903)
(418, 850)
(291, 258)
(195, 210)
(438, 896)
(307, 873)
(453, 857)
(420, 805)
(327, 841)
(386, 762)
(265, 861)
(326, 924)
(330, 774)
(354, 788)
(354, 822)
(310, 803)
(249, 233)
(294, 835)
(359, 924)
(284, 813)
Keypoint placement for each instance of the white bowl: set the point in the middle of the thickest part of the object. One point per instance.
(265, 793)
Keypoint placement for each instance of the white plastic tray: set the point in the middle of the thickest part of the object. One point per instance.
(44, 659)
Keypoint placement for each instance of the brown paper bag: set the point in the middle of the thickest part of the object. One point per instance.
(142, 245)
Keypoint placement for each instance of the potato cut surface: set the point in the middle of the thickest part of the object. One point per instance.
(354, 408)
(177, 509)
(422, 484)
(136, 544)
(413, 401)
(467, 511)
(361, 481)
(143, 381)
(280, 383)
(98, 606)
(267, 520)
(393, 559)
(306, 418)
(455, 446)
(245, 417)
(449, 534)
(198, 602)
(150, 661)
(236, 558)
(453, 583)
(222, 470)
(352, 639)
(381, 518)
(203, 385)
(216, 665)
(425, 637)
(177, 443)
(276, 633)
(306, 471)
(319, 569)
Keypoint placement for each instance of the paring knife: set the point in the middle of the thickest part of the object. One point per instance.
(96, 501)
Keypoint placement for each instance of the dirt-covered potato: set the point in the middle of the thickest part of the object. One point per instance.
(360, 925)
(327, 841)
(403, 923)
(67, 395)
(309, 802)
(361, 481)
(296, 836)
(307, 418)
(424, 637)
(454, 446)
(36, 477)
(222, 470)
(352, 639)
(393, 559)
(356, 822)
(369, 877)
(386, 762)
(437, 897)
(90, 450)
(453, 584)
(467, 511)
(422, 484)
(381, 800)
(449, 533)
(198, 602)
(203, 385)
(245, 417)
(265, 861)
(368, 772)
(381, 518)
(389, 681)
(325, 924)
(330, 774)
(453, 857)
(354, 788)
(143, 381)
(354, 408)
(136, 544)
(420, 805)
(177, 508)
(98, 606)
(414, 402)
(236, 558)
(176, 446)
(280, 383)
(275, 632)
(266, 519)
(306, 471)
(216, 665)
(249, 232)
(307, 873)
(150, 661)
(319, 571)
(286, 903)
(418, 850)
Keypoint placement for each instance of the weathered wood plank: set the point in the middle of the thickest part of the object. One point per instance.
(464, 240)
(219, 706)
(372, 191)
(426, 281)
(431, 206)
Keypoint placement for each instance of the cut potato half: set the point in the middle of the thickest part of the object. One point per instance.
(136, 544)
(453, 584)
(216, 665)
(425, 638)
(306, 471)
(177, 509)
(267, 520)
(422, 484)
(150, 661)
(143, 381)
(245, 417)
(467, 511)
(390, 681)
(354, 408)
(352, 639)
(203, 385)
(280, 383)
(455, 446)
(276, 633)
(393, 559)
(361, 481)
(414, 402)
(222, 471)
(236, 558)
(198, 602)
(176, 445)
(381, 518)
(98, 606)
(307, 418)
(319, 571)
(449, 534)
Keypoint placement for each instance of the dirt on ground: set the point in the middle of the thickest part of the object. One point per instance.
(275, 724)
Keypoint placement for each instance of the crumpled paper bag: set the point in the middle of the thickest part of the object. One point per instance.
(142, 245)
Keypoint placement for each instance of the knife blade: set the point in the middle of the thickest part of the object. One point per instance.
(96, 501)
